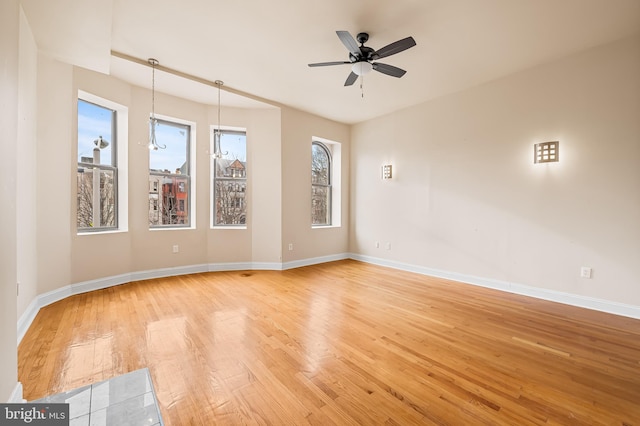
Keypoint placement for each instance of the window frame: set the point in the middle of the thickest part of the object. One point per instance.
(335, 150)
(190, 169)
(328, 186)
(232, 180)
(119, 136)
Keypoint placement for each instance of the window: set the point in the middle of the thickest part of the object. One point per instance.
(230, 178)
(169, 176)
(97, 172)
(320, 184)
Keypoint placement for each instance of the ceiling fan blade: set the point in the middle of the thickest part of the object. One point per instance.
(349, 42)
(325, 64)
(351, 79)
(396, 47)
(389, 69)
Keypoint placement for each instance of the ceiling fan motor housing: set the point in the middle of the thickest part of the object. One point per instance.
(362, 38)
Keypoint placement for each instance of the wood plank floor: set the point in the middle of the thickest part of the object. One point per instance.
(341, 343)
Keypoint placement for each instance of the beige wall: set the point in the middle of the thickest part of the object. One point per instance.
(9, 51)
(259, 240)
(467, 198)
(265, 188)
(67, 258)
(53, 165)
(93, 256)
(26, 197)
(298, 130)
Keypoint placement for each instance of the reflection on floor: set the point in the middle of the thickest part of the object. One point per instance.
(127, 400)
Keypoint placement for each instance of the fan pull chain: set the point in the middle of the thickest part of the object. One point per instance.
(362, 85)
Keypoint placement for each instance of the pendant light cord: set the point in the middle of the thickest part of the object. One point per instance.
(153, 144)
(217, 149)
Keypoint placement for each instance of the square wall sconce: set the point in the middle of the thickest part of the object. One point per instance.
(546, 152)
(387, 172)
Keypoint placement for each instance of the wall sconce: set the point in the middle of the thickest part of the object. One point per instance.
(387, 171)
(546, 152)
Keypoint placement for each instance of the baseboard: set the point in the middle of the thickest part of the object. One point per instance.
(99, 284)
(244, 266)
(314, 261)
(168, 272)
(16, 395)
(25, 320)
(621, 309)
(274, 266)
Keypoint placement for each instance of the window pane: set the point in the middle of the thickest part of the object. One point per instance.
(94, 122)
(168, 200)
(105, 198)
(96, 173)
(319, 165)
(174, 157)
(320, 205)
(169, 180)
(320, 184)
(230, 202)
(230, 179)
(233, 145)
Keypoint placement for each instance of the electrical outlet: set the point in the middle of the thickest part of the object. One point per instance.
(377, 244)
(176, 248)
(585, 272)
(290, 246)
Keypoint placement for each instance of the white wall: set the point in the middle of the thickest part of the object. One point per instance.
(466, 197)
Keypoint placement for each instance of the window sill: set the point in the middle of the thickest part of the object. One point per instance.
(180, 228)
(325, 226)
(110, 231)
(229, 227)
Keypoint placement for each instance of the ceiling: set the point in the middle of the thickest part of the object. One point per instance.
(262, 48)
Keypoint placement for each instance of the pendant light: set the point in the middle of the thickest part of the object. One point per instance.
(217, 152)
(153, 144)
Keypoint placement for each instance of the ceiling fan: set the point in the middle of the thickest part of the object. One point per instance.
(362, 58)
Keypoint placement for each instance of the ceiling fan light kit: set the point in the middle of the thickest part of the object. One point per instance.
(361, 68)
(363, 58)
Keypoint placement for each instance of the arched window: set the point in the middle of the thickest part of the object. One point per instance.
(320, 184)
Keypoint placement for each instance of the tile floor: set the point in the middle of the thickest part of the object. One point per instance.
(127, 400)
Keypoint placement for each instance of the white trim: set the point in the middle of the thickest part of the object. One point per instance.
(168, 272)
(524, 290)
(42, 300)
(99, 284)
(245, 266)
(314, 261)
(16, 395)
(236, 266)
(27, 318)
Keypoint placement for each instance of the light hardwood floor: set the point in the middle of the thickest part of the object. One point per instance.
(341, 343)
